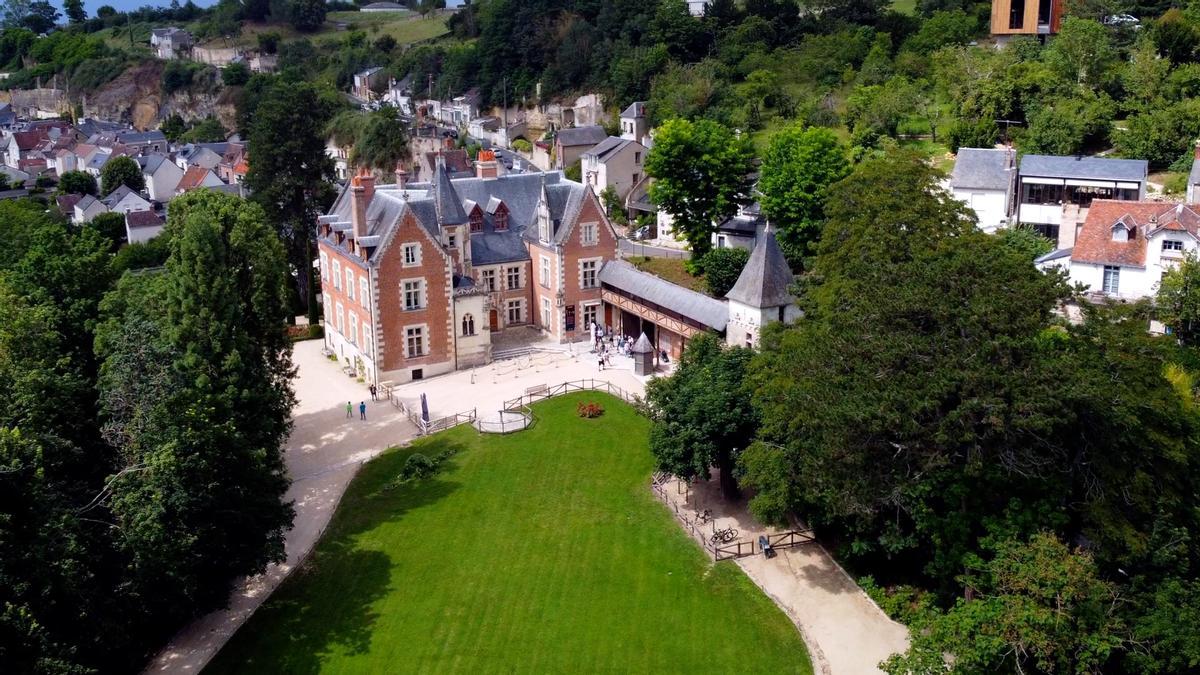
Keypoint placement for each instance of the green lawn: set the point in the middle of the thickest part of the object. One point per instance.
(673, 270)
(539, 552)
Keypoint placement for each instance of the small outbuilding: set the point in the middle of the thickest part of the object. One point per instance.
(643, 356)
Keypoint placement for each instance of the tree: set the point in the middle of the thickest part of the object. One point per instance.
(77, 183)
(798, 167)
(207, 130)
(722, 267)
(106, 12)
(1175, 37)
(1178, 300)
(1069, 125)
(75, 11)
(195, 386)
(110, 226)
(943, 29)
(268, 42)
(382, 143)
(700, 416)
(173, 127)
(1040, 608)
(235, 74)
(700, 171)
(874, 112)
(256, 10)
(41, 17)
(289, 170)
(1082, 53)
(1025, 241)
(306, 15)
(120, 171)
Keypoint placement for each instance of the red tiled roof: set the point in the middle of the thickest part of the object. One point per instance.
(66, 203)
(28, 140)
(192, 178)
(1095, 245)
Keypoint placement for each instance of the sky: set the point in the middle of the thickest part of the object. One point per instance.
(125, 5)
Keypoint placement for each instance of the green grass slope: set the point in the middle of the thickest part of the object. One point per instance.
(541, 551)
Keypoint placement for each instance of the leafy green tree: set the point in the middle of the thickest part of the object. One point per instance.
(268, 42)
(874, 112)
(120, 171)
(1069, 125)
(1040, 607)
(1178, 300)
(173, 127)
(676, 28)
(235, 74)
(106, 12)
(41, 17)
(75, 11)
(943, 29)
(799, 165)
(110, 226)
(306, 15)
(290, 172)
(77, 183)
(207, 130)
(700, 416)
(383, 142)
(722, 267)
(1082, 53)
(196, 389)
(1025, 241)
(700, 171)
(1175, 37)
(1161, 134)
(689, 91)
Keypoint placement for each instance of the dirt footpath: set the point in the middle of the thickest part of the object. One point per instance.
(322, 455)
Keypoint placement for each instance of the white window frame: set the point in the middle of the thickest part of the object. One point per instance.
(519, 306)
(352, 334)
(419, 290)
(1177, 245)
(421, 333)
(341, 311)
(1111, 280)
(367, 339)
(487, 279)
(337, 275)
(324, 266)
(509, 273)
(589, 234)
(583, 270)
(411, 254)
(364, 290)
(544, 271)
(547, 313)
(592, 308)
(349, 283)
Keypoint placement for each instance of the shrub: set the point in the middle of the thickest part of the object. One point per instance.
(722, 267)
(589, 410)
(418, 466)
(316, 331)
(522, 145)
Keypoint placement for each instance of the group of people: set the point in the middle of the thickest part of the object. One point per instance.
(362, 405)
(606, 344)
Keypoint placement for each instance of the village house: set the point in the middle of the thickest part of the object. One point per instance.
(570, 144)
(615, 163)
(1124, 247)
(171, 43)
(206, 155)
(142, 226)
(162, 176)
(984, 179)
(1025, 17)
(742, 229)
(416, 277)
(367, 83)
(197, 177)
(86, 208)
(124, 200)
(1053, 193)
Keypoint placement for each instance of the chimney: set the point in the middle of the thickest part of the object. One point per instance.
(362, 189)
(401, 176)
(486, 165)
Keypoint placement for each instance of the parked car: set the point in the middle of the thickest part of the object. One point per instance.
(1122, 20)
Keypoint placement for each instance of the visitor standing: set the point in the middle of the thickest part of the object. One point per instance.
(362, 410)
(349, 409)
(372, 388)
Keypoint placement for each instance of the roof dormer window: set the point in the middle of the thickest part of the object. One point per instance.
(501, 220)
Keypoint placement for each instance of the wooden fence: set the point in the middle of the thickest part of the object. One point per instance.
(425, 428)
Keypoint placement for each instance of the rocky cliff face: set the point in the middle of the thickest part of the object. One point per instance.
(136, 97)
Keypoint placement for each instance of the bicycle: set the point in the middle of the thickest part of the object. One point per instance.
(723, 536)
(703, 516)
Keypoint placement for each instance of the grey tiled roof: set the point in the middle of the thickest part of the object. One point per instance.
(1095, 168)
(1194, 176)
(446, 200)
(1054, 255)
(581, 136)
(981, 168)
(695, 306)
(635, 109)
(766, 279)
(607, 147)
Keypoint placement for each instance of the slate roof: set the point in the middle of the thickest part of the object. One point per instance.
(695, 306)
(113, 198)
(1094, 243)
(607, 148)
(150, 163)
(1056, 254)
(85, 202)
(520, 194)
(66, 203)
(1194, 175)
(981, 169)
(131, 136)
(642, 346)
(766, 279)
(1085, 168)
(635, 110)
(98, 160)
(445, 199)
(576, 136)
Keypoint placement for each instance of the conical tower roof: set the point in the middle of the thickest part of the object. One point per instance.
(642, 346)
(445, 197)
(766, 279)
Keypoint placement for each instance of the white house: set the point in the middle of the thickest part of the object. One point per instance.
(1054, 193)
(340, 154)
(124, 200)
(94, 161)
(367, 81)
(142, 226)
(983, 179)
(614, 163)
(171, 43)
(697, 7)
(742, 229)
(162, 176)
(1123, 247)
(86, 208)
(635, 126)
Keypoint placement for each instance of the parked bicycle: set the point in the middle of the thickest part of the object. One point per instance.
(723, 536)
(703, 516)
